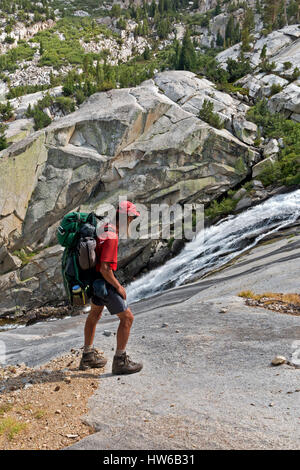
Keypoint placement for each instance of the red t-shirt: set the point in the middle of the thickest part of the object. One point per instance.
(107, 248)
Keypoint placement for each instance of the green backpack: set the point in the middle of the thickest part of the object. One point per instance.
(68, 235)
(68, 231)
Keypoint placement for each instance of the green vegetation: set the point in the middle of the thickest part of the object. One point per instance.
(287, 169)
(39, 414)
(18, 91)
(275, 88)
(5, 408)
(227, 204)
(41, 119)
(23, 51)
(10, 427)
(279, 13)
(3, 141)
(6, 111)
(207, 114)
(222, 208)
(24, 257)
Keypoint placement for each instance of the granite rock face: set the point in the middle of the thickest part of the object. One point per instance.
(281, 86)
(146, 142)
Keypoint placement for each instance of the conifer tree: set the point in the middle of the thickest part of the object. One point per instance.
(187, 58)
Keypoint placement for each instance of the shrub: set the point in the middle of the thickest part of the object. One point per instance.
(238, 68)
(3, 141)
(266, 66)
(10, 427)
(41, 119)
(296, 74)
(224, 207)
(9, 40)
(6, 111)
(207, 114)
(25, 90)
(275, 88)
(65, 103)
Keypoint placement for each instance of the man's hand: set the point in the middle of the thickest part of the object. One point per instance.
(108, 275)
(122, 292)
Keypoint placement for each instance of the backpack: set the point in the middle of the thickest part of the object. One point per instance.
(76, 234)
(68, 231)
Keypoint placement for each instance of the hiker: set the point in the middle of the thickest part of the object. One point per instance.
(113, 297)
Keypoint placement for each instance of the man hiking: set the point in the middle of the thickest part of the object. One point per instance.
(113, 297)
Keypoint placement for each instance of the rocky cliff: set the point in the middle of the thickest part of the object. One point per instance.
(281, 84)
(146, 142)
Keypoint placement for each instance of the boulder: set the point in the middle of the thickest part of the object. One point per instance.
(260, 85)
(34, 284)
(190, 93)
(8, 262)
(3, 90)
(271, 148)
(239, 194)
(281, 46)
(287, 100)
(243, 204)
(259, 167)
(245, 130)
(177, 246)
(19, 130)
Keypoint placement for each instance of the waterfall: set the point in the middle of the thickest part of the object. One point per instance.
(219, 244)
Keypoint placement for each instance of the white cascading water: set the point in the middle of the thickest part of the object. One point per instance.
(219, 244)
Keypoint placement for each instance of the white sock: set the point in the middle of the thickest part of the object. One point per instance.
(119, 352)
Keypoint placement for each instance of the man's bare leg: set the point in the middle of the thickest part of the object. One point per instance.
(91, 358)
(126, 320)
(122, 363)
(91, 323)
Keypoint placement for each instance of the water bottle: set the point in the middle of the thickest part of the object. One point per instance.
(78, 295)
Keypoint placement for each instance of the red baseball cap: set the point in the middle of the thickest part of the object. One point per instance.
(127, 207)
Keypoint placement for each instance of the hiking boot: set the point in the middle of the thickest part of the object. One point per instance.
(92, 360)
(123, 365)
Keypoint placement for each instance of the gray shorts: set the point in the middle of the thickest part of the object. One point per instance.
(113, 301)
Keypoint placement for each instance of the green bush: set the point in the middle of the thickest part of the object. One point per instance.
(207, 114)
(287, 65)
(65, 103)
(275, 88)
(6, 111)
(224, 207)
(287, 169)
(41, 119)
(25, 90)
(238, 68)
(3, 141)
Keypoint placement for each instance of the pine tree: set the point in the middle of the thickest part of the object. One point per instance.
(271, 10)
(218, 9)
(152, 9)
(187, 58)
(220, 40)
(245, 40)
(263, 54)
(229, 31)
(161, 6)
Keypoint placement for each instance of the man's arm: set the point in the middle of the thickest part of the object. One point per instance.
(109, 276)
